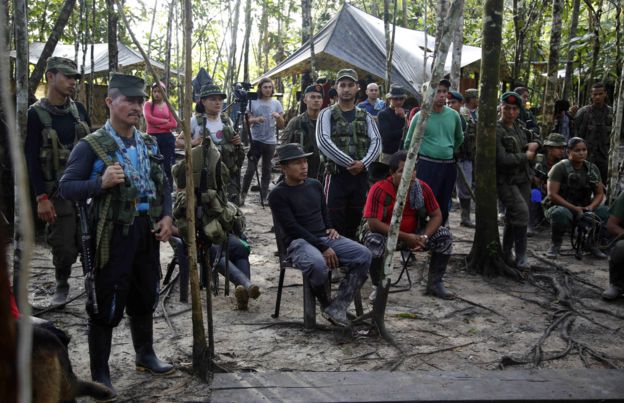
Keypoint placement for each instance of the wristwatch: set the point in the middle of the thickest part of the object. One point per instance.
(425, 236)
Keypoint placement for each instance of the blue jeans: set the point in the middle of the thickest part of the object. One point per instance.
(441, 177)
(310, 260)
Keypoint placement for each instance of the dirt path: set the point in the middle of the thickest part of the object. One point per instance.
(494, 318)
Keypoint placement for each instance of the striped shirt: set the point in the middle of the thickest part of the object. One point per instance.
(329, 149)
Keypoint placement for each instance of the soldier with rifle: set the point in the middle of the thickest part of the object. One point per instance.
(122, 171)
(55, 124)
(302, 128)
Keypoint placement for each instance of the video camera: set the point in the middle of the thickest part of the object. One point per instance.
(242, 93)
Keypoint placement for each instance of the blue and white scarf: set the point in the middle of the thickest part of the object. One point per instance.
(139, 176)
(417, 201)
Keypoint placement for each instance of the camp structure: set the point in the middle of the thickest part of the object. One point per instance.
(128, 58)
(355, 39)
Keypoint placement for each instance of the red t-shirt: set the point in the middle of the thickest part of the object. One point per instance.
(377, 206)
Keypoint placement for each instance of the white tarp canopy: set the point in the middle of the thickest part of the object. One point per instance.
(127, 57)
(353, 38)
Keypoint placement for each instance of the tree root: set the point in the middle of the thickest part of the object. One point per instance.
(480, 306)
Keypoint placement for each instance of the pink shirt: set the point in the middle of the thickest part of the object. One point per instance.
(159, 121)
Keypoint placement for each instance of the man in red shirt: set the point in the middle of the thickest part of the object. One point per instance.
(421, 225)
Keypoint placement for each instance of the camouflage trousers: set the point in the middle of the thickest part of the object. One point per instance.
(561, 218)
(63, 235)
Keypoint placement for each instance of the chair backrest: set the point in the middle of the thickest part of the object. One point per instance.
(280, 242)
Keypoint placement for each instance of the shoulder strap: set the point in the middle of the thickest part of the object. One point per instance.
(98, 143)
(568, 166)
(43, 114)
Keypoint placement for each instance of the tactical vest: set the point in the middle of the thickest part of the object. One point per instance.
(53, 155)
(468, 149)
(216, 216)
(575, 190)
(231, 155)
(351, 138)
(117, 206)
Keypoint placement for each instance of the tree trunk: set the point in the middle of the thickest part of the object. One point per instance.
(24, 225)
(486, 254)
(553, 67)
(91, 72)
(388, 37)
(519, 23)
(458, 43)
(404, 10)
(595, 27)
(436, 75)
(443, 6)
(201, 356)
(172, 6)
(48, 49)
(426, 47)
(113, 53)
(246, 42)
(614, 149)
(230, 75)
(569, 70)
(306, 20)
(151, 32)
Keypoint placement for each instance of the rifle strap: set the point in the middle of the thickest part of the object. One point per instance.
(102, 238)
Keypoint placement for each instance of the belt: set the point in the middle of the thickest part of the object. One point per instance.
(422, 157)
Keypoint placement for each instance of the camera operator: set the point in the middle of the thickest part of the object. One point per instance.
(265, 116)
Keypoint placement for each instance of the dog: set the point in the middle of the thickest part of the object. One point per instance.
(52, 377)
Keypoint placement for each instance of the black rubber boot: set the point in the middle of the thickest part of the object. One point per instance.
(336, 312)
(465, 213)
(508, 241)
(435, 280)
(62, 286)
(100, 338)
(557, 239)
(320, 292)
(520, 240)
(141, 328)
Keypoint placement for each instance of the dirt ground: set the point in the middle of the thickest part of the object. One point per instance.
(496, 323)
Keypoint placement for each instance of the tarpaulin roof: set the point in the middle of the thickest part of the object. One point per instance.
(353, 38)
(127, 57)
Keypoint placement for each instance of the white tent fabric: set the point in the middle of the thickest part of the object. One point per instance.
(127, 57)
(353, 38)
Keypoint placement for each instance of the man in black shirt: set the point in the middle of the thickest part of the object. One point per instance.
(314, 247)
(55, 124)
(391, 123)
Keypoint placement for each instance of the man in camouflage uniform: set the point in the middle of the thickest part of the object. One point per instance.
(122, 171)
(516, 148)
(55, 124)
(526, 115)
(302, 128)
(465, 156)
(593, 124)
(349, 141)
(615, 226)
(554, 147)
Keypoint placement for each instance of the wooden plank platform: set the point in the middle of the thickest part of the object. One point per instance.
(491, 386)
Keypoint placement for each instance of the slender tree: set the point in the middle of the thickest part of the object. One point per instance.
(553, 67)
(48, 49)
(569, 70)
(486, 254)
(614, 148)
(24, 220)
(113, 52)
(230, 75)
(458, 44)
(246, 40)
(201, 353)
(594, 23)
(151, 32)
(172, 6)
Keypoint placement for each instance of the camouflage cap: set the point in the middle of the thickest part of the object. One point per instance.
(130, 86)
(314, 88)
(555, 140)
(347, 73)
(66, 66)
(397, 92)
(455, 95)
(471, 93)
(512, 98)
(211, 89)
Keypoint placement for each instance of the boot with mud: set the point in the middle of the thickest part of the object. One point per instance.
(141, 328)
(520, 240)
(100, 338)
(435, 279)
(465, 214)
(336, 312)
(612, 293)
(62, 286)
(321, 295)
(508, 241)
(247, 289)
(557, 240)
(242, 298)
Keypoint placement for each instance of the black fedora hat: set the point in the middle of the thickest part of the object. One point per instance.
(290, 151)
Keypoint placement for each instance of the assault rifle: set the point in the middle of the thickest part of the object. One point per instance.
(87, 256)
